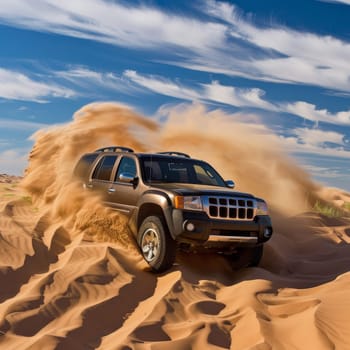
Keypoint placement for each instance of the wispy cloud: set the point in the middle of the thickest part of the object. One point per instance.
(288, 55)
(162, 86)
(324, 172)
(346, 2)
(310, 112)
(317, 142)
(214, 92)
(17, 86)
(234, 96)
(317, 137)
(88, 79)
(113, 23)
(227, 43)
(22, 125)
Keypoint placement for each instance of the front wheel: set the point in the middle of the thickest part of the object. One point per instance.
(157, 246)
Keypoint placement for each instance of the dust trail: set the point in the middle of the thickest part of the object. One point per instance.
(55, 153)
(250, 154)
(247, 153)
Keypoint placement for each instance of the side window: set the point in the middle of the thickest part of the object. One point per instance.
(127, 166)
(84, 164)
(104, 168)
(152, 171)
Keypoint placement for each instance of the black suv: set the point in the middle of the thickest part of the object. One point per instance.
(173, 201)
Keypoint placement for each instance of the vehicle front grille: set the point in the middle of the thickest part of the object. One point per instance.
(230, 208)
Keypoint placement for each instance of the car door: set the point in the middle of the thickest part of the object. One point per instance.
(124, 195)
(100, 179)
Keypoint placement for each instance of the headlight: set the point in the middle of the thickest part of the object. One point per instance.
(262, 208)
(188, 202)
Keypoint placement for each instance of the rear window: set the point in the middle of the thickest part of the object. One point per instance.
(104, 168)
(83, 166)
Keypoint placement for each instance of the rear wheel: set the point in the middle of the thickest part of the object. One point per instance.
(157, 246)
(247, 257)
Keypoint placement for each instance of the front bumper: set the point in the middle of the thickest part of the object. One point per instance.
(197, 228)
(232, 239)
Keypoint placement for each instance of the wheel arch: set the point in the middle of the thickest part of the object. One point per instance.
(157, 204)
(149, 209)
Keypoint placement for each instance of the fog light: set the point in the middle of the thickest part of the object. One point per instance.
(190, 227)
(267, 232)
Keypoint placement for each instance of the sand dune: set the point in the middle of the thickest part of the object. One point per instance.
(77, 294)
(70, 277)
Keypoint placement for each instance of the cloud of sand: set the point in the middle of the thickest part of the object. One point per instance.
(247, 153)
(56, 151)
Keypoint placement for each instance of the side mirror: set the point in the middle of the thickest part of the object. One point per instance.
(127, 178)
(230, 184)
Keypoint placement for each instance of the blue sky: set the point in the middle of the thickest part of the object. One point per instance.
(287, 62)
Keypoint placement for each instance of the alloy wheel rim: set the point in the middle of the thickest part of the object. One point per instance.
(150, 244)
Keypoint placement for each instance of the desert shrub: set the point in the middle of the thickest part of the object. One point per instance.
(327, 210)
(346, 206)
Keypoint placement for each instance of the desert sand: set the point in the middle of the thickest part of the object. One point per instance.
(71, 277)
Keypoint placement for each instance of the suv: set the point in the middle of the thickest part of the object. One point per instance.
(172, 200)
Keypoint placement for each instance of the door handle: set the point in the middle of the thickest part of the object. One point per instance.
(111, 190)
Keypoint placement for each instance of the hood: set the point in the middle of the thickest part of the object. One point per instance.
(198, 190)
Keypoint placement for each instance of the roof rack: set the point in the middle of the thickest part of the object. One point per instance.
(114, 149)
(180, 154)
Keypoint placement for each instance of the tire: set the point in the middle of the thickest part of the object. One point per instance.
(256, 254)
(247, 257)
(156, 245)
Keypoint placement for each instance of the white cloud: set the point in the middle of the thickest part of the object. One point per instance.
(93, 82)
(88, 78)
(112, 23)
(347, 2)
(17, 86)
(81, 73)
(310, 112)
(162, 86)
(293, 145)
(288, 55)
(13, 161)
(317, 137)
(317, 142)
(214, 92)
(234, 96)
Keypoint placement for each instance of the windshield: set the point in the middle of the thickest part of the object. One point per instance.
(162, 169)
